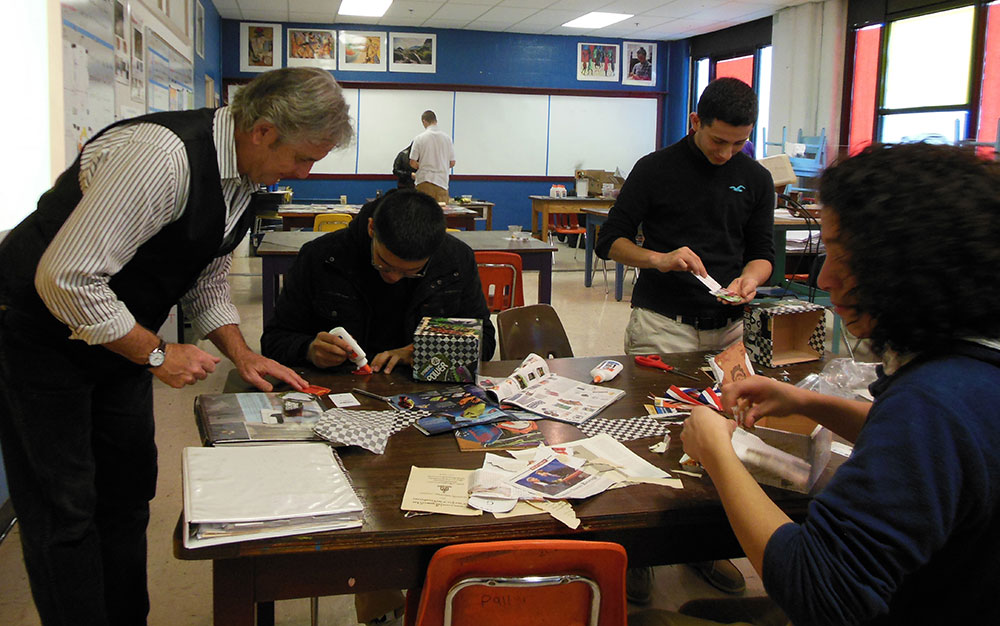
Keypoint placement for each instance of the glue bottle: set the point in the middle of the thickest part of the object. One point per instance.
(356, 354)
(605, 370)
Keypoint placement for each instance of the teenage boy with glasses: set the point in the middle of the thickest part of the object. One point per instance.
(393, 265)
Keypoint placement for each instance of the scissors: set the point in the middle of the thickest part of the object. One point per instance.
(654, 360)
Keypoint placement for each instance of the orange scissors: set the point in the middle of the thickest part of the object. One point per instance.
(654, 360)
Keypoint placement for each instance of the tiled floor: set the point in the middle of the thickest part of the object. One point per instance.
(180, 590)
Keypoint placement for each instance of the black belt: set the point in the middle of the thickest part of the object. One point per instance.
(707, 322)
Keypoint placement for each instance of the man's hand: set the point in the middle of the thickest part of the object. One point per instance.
(185, 364)
(743, 286)
(385, 361)
(706, 434)
(254, 367)
(680, 260)
(327, 350)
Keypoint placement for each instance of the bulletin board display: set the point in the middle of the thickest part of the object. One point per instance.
(88, 71)
(169, 76)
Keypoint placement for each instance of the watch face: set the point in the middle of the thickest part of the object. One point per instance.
(157, 357)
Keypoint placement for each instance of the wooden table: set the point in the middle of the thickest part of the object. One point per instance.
(455, 216)
(596, 217)
(656, 525)
(483, 208)
(543, 206)
(278, 250)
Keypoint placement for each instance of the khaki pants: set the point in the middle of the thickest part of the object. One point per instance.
(440, 194)
(651, 333)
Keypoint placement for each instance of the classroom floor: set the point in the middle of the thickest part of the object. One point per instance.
(180, 591)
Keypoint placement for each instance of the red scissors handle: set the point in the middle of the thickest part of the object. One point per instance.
(654, 360)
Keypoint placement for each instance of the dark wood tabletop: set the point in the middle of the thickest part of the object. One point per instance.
(656, 525)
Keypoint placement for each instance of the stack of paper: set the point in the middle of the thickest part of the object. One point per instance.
(243, 493)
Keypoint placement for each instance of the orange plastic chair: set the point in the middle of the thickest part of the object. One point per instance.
(527, 582)
(329, 222)
(500, 275)
(567, 224)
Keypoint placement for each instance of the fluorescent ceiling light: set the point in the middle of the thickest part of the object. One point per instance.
(366, 8)
(596, 19)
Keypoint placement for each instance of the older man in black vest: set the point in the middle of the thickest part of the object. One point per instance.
(146, 217)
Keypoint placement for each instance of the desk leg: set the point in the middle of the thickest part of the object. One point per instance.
(545, 281)
(588, 262)
(619, 281)
(533, 226)
(232, 593)
(269, 286)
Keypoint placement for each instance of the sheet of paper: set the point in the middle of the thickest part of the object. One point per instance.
(756, 454)
(438, 490)
(343, 400)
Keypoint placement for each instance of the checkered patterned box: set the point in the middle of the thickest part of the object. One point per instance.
(784, 332)
(447, 349)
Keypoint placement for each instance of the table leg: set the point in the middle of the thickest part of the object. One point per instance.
(588, 262)
(545, 281)
(232, 593)
(778, 274)
(269, 286)
(619, 280)
(533, 226)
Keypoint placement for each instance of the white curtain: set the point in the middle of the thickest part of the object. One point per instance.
(808, 71)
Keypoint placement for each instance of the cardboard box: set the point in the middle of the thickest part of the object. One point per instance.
(596, 180)
(798, 436)
(784, 332)
(447, 349)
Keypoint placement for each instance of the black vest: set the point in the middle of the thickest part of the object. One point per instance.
(164, 268)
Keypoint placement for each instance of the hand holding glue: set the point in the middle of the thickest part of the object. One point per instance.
(355, 353)
(605, 370)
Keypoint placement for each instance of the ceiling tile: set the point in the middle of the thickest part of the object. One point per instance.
(549, 18)
(309, 6)
(456, 12)
(263, 16)
(320, 19)
(411, 10)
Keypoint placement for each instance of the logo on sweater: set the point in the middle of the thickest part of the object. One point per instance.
(737, 189)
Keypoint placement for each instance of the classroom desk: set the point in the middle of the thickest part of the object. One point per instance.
(543, 206)
(455, 216)
(278, 249)
(596, 217)
(481, 207)
(656, 525)
(781, 227)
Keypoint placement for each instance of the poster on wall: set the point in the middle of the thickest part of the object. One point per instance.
(361, 51)
(597, 61)
(138, 89)
(413, 52)
(199, 28)
(260, 47)
(88, 43)
(640, 63)
(122, 58)
(312, 48)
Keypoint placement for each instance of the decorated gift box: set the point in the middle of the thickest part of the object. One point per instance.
(784, 332)
(447, 349)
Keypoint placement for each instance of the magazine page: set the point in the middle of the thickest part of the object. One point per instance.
(451, 407)
(564, 399)
(532, 368)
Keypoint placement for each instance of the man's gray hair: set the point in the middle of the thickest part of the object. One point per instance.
(303, 103)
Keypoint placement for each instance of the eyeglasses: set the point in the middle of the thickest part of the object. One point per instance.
(388, 269)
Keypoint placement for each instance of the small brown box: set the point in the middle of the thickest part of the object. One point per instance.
(800, 437)
(786, 332)
(596, 180)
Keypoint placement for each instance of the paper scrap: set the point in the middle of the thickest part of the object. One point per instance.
(343, 400)
(438, 490)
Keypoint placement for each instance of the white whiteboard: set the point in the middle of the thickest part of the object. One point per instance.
(600, 133)
(499, 134)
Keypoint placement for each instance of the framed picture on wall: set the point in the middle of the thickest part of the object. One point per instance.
(361, 51)
(210, 100)
(199, 28)
(260, 47)
(640, 63)
(413, 52)
(597, 61)
(313, 48)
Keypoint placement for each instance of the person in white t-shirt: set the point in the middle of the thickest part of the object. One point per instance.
(432, 155)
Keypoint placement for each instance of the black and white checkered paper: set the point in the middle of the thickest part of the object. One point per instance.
(369, 429)
(624, 429)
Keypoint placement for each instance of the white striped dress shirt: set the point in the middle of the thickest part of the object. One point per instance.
(135, 180)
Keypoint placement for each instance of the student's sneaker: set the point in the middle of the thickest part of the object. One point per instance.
(639, 585)
(722, 575)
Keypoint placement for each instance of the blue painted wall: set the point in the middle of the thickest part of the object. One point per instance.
(212, 63)
(474, 58)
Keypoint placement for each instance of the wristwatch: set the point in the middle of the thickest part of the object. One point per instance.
(158, 355)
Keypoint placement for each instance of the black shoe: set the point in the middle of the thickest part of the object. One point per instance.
(722, 575)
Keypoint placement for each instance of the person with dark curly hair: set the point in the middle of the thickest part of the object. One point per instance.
(908, 529)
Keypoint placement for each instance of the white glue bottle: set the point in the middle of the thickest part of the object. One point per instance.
(605, 371)
(356, 354)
